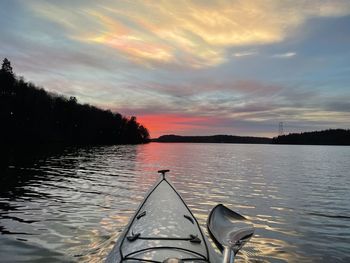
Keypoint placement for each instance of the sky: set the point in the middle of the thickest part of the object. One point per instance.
(184, 67)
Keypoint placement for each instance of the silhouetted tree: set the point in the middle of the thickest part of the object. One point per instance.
(31, 114)
(73, 100)
(6, 66)
(7, 77)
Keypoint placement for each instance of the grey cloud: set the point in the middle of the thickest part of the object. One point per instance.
(338, 105)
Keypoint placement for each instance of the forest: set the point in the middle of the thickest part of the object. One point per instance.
(326, 137)
(32, 115)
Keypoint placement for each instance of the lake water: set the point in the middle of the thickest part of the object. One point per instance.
(70, 206)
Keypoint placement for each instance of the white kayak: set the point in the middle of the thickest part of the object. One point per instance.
(163, 229)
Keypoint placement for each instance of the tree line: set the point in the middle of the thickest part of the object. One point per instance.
(326, 137)
(212, 139)
(29, 114)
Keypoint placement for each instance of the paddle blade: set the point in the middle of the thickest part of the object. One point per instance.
(228, 228)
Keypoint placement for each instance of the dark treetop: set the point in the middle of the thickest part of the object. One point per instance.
(29, 114)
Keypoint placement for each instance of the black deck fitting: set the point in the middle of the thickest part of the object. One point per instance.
(163, 172)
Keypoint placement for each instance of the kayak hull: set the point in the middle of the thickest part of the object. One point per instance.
(162, 227)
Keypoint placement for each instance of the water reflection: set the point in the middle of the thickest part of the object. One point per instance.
(71, 204)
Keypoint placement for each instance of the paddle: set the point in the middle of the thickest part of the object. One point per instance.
(229, 230)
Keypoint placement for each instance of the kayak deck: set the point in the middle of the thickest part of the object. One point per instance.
(163, 227)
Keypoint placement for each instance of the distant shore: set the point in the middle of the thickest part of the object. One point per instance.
(212, 139)
(325, 137)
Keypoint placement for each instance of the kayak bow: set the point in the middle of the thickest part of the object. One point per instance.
(163, 229)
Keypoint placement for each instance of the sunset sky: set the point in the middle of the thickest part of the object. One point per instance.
(190, 67)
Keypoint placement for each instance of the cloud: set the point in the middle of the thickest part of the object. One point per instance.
(244, 105)
(245, 53)
(285, 55)
(339, 105)
(193, 34)
(246, 99)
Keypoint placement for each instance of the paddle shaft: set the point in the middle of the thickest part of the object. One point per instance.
(229, 256)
